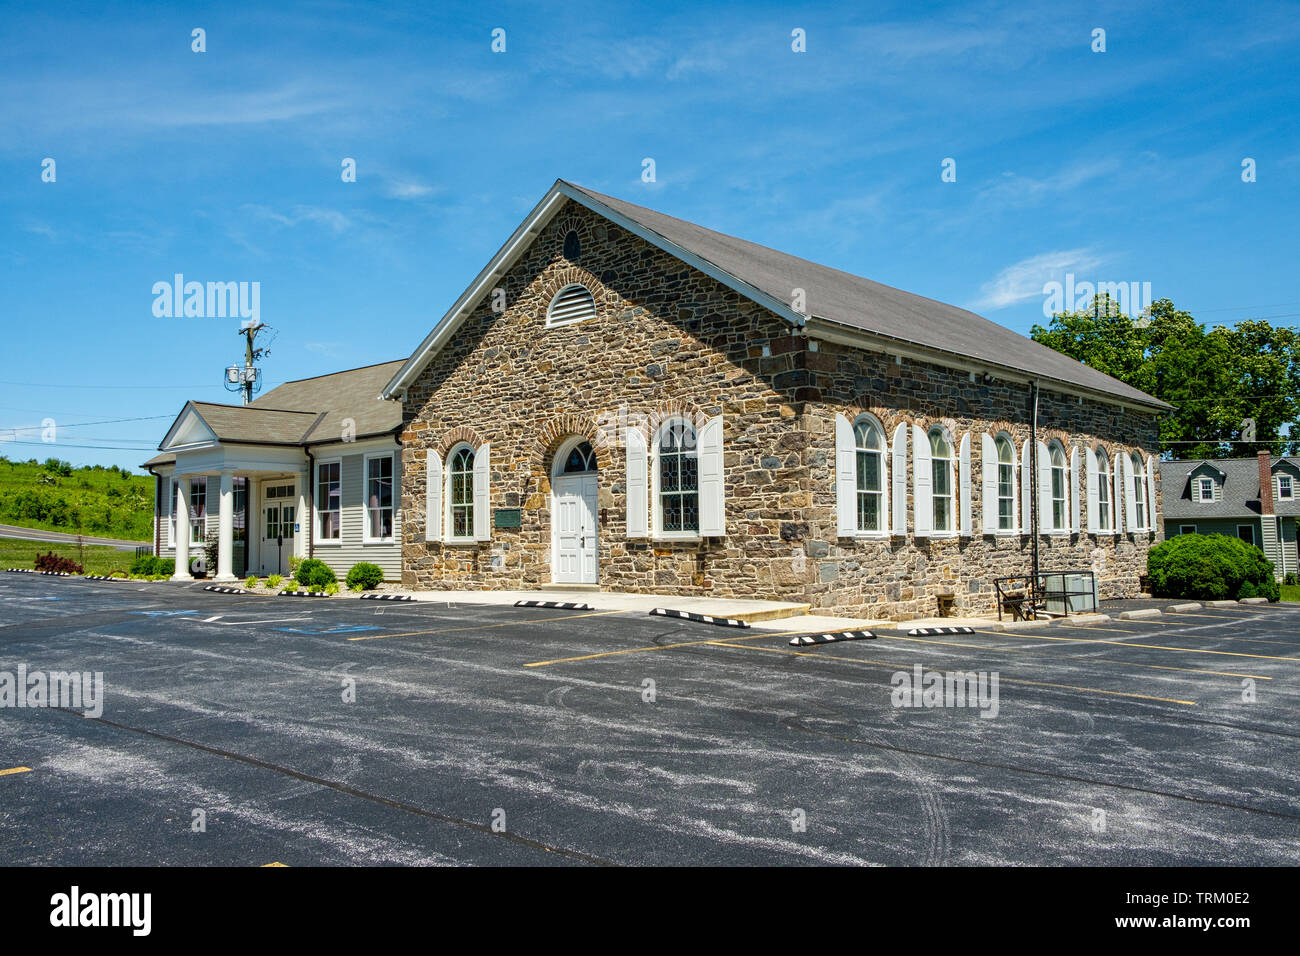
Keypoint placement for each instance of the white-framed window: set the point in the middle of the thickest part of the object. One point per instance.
(460, 493)
(1006, 483)
(329, 501)
(1187, 529)
(869, 465)
(1285, 489)
(198, 509)
(941, 488)
(1060, 494)
(1246, 532)
(573, 303)
(1204, 489)
(378, 498)
(677, 480)
(1139, 492)
(1105, 513)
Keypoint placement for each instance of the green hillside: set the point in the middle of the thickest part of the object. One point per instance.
(108, 502)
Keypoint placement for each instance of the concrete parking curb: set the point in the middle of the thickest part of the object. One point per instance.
(220, 590)
(1254, 600)
(387, 597)
(1139, 613)
(1019, 625)
(1181, 608)
(559, 605)
(805, 640)
(57, 574)
(925, 631)
(699, 618)
(1220, 603)
(102, 577)
(309, 594)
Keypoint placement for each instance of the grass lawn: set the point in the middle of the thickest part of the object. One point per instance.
(99, 559)
(1291, 592)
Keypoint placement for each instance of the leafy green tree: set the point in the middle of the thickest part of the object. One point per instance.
(1235, 390)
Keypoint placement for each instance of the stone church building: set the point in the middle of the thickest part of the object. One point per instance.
(628, 401)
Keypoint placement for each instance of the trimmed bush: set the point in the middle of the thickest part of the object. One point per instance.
(53, 562)
(365, 576)
(1211, 567)
(332, 588)
(292, 585)
(314, 571)
(1291, 580)
(294, 561)
(251, 582)
(274, 581)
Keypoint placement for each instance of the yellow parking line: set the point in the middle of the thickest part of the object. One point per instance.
(1003, 680)
(917, 640)
(1162, 647)
(1095, 628)
(658, 647)
(481, 627)
(265, 865)
(5, 773)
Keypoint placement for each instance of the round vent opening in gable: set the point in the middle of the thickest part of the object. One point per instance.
(572, 246)
(571, 304)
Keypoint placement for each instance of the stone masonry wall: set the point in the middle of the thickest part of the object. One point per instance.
(670, 340)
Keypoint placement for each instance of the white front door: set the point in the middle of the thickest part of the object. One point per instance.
(279, 507)
(574, 508)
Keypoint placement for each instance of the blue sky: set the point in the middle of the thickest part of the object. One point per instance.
(225, 165)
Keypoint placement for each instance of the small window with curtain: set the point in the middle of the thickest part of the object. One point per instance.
(328, 501)
(941, 491)
(379, 497)
(1059, 485)
(1103, 491)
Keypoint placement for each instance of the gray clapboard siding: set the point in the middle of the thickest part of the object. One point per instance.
(341, 557)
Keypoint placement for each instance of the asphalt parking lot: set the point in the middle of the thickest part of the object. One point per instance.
(500, 735)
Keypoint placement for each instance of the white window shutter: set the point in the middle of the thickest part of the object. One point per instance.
(989, 483)
(1130, 499)
(637, 485)
(482, 499)
(846, 478)
(433, 497)
(898, 477)
(963, 486)
(1044, 490)
(922, 480)
(713, 505)
(1026, 515)
(1072, 491)
(1151, 495)
(1091, 479)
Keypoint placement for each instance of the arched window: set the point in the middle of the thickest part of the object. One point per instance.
(1006, 484)
(580, 460)
(1059, 498)
(1105, 516)
(1139, 491)
(460, 484)
(870, 445)
(941, 490)
(571, 304)
(679, 479)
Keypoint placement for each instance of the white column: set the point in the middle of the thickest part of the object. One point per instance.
(181, 518)
(226, 529)
(301, 517)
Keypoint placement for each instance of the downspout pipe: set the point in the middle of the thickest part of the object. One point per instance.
(1033, 482)
(157, 499)
(311, 502)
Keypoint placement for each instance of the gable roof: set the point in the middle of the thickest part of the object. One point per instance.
(305, 411)
(767, 277)
(1239, 496)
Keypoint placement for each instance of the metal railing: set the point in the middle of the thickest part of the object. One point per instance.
(1047, 594)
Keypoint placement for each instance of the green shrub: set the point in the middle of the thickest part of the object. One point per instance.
(145, 564)
(332, 588)
(1210, 567)
(314, 571)
(294, 561)
(365, 576)
(1291, 580)
(292, 585)
(251, 582)
(274, 581)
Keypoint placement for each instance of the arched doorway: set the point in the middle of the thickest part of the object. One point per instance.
(574, 488)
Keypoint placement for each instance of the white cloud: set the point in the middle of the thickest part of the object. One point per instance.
(1024, 280)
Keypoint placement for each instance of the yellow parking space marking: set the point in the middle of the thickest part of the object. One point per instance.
(1170, 667)
(658, 647)
(1162, 647)
(1003, 680)
(480, 627)
(917, 640)
(1095, 628)
(12, 770)
(265, 865)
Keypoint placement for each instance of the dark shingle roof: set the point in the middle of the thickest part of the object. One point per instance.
(1239, 496)
(870, 306)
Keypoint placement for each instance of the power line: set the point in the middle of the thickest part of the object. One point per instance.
(66, 386)
(56, 445)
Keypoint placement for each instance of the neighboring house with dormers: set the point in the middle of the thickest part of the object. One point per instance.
(627, 401)
(1255, 499)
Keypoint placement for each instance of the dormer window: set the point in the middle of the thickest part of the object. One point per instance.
(1284, 487)
(1205, 489)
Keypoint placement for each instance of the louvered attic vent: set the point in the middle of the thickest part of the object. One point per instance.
(573, 303)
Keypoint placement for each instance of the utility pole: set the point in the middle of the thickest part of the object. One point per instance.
(246, 379)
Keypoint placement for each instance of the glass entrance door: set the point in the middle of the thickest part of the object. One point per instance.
(278, 515)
